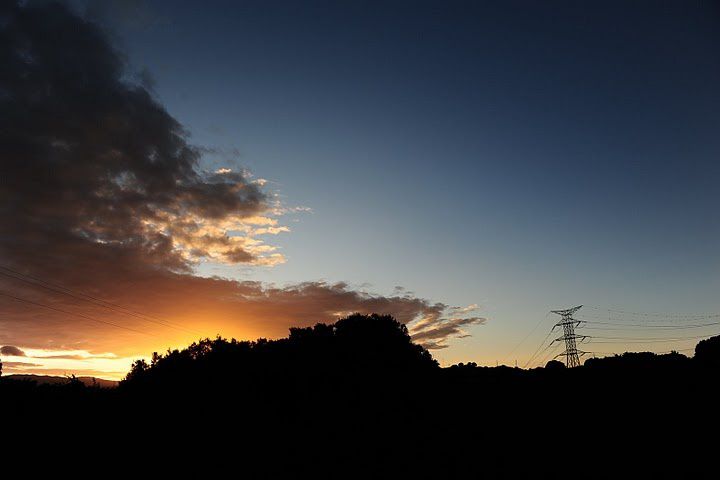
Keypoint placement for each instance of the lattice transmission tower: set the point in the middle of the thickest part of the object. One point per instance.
(568, 323)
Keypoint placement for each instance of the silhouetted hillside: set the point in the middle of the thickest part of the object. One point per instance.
(55, 380)
(358, 398)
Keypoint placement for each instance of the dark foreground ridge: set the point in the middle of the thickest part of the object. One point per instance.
(358, 398)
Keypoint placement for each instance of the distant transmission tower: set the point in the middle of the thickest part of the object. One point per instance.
(568, 323)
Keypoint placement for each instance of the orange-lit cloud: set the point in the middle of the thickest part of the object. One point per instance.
(184, 307)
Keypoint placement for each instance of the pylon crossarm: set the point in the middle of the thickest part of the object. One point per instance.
(572, 337)
(567, 312)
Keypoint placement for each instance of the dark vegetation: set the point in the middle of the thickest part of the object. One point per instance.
(358, 398)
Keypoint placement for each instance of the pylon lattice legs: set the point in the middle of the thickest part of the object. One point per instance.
(568, 324)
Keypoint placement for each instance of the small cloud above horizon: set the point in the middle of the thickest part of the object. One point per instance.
(11, 351)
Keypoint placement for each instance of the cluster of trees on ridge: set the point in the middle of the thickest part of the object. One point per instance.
(356, 348)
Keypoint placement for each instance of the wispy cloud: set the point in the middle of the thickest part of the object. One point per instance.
(20, 365)
(434, 331)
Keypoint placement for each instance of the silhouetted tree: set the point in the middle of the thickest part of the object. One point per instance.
(554, 365)
(137, 368)
(707, 352)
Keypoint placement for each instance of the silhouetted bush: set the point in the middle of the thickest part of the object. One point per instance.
(555, 365)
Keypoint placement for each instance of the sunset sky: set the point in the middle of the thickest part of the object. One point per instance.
(175, 170)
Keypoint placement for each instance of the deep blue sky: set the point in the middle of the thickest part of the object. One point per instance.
(519, 155)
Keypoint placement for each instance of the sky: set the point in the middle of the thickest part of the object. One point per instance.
(250, 166)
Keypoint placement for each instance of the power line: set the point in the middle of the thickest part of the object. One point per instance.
(643, 342)
(656, 353)
(648, 322)
(538, 349)
(647, 327)
(31, 302)
(85, 297)
(527, 336)
(664, 339)
(548, 354)
(88, 298)
(657, 314)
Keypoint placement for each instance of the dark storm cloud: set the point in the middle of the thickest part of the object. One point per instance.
(101, 192)
(89, 158)
(11, 351)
